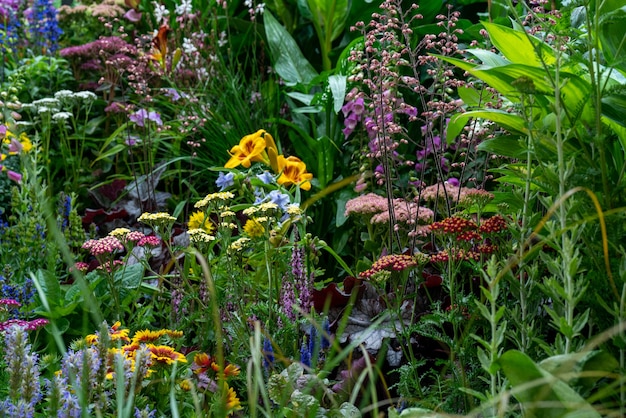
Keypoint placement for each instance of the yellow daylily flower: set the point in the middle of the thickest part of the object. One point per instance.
(251, 149)
(293, 171)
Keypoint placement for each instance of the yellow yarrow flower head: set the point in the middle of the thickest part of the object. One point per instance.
(253, 228)
(199, 220)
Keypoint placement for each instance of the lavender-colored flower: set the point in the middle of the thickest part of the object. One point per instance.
(224, 181)
(280, 199)
(133, 16)
(172, 94)
(145, 413)
(142, 115)
(453, 181)
(266, 177)
(288, 299)
(23, 369)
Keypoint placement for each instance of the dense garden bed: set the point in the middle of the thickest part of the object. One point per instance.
(319, 208)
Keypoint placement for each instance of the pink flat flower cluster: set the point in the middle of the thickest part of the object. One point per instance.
(406, 212)
(27, 325)
(106, 245)
(367, 204)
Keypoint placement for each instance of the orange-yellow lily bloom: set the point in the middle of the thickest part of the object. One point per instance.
(251, 149)
(293, 171)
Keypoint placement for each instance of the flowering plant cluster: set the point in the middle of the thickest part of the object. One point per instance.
(260, 147)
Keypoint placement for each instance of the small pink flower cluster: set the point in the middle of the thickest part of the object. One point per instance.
(9, 303)
(106, 245)
(27, 325)
(405, 212)
(367, 204)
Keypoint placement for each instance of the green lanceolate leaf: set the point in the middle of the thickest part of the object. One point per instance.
(288, 60)
(541, 393)
(330, 15)
(583, 368)
(520, 47)
(337, 84)
(612, 34)
(509, 121)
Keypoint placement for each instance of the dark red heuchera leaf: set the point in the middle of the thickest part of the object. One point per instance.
(431, 280)
(333, 297)
(101, 216)
(347, 378)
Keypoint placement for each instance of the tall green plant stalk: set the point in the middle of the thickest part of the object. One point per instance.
(527, 111)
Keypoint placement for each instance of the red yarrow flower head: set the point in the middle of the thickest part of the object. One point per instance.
(494, 225)
(453, 225)
(392, 262)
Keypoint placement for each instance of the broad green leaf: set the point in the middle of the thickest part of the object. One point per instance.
(51, 288)
(288, 60)
(540, 393)
(509, 121)
(568, 367)
(325, 160)
(307, 99)
(505, 146)
(489, 58)
(520, 47)
(614, 108)
(330, 15)
(612, 35)
(337, 84)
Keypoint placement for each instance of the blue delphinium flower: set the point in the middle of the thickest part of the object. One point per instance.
(305, 354)
(268, 354)
(10, 25)
(224, 181)
(43, 26)
(325, 342)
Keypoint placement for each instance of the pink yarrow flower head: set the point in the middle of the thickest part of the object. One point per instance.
(367, 204)
(106, 245)
(405, 212)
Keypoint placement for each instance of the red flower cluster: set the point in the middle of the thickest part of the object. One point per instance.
(393, 262)
(458, 254)
(493, 225)
(453, 225)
